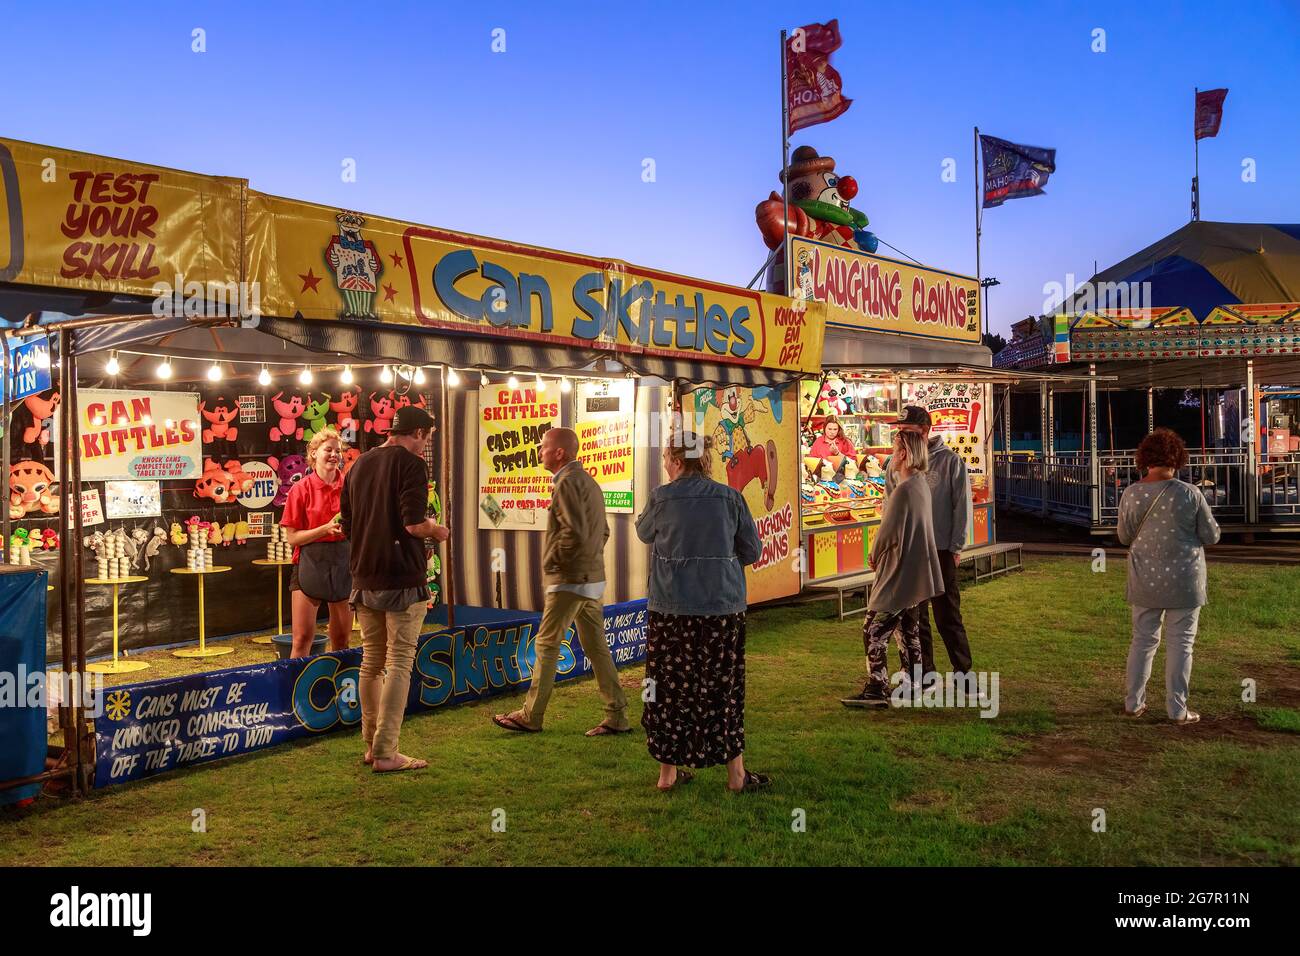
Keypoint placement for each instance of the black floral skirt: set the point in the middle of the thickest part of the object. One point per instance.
(695, 714)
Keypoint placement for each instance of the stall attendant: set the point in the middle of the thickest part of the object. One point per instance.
(832, 445)
(320, 552)
(701, 536)
(1166, 524)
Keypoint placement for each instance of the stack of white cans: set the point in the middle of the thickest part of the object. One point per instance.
(113, 564)
(23, 555)
(277, 546)
(199, 555)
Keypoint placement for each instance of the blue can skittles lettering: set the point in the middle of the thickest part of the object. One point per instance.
(325, 694)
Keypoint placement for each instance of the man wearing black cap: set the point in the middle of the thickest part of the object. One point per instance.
(383, 512)
(950, 498)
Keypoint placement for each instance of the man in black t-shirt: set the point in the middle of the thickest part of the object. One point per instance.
(383, 513)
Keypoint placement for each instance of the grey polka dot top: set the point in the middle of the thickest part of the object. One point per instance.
(1166, 564)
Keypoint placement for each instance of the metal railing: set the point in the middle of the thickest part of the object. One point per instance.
(1059, 485)
(1279, 487)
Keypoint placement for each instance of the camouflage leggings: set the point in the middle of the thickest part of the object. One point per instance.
(905, 627)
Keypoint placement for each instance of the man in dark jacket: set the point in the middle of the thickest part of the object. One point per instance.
(950, 496)
(383, 514)
(574, 564)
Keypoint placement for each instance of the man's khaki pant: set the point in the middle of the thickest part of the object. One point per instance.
(562, 609)
(388, 652)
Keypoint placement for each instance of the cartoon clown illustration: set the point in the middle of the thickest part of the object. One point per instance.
(742, 459)
(357, 267)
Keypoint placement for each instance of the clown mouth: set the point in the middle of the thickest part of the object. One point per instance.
(829, 212)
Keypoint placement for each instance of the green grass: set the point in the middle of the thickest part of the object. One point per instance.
(928, 787)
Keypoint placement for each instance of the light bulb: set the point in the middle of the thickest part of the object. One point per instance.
(264, 376)
(482, 379)
(165, 368)
(512, 383)
(541, 384)
(566, 386)
(452, 378)
(112, 368)
(304, 377)
(419, 376)
(386, 376)
(346, 377)
(214, 373)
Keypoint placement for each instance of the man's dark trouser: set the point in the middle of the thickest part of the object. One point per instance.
(947, 618)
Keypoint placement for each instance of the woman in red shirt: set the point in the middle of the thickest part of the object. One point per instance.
(320, 570)
(831, 445)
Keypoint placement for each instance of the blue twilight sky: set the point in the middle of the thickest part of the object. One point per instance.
(545, 142)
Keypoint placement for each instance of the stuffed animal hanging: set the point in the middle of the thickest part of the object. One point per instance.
(290, 411)
(291, 470)
(343, 409)
(223, 413)
(382, 410)
(314, 416)
(41, 408)
(32, 488)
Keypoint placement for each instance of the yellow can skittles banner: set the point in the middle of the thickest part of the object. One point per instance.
(324, 263)
(77, 220)
(863, 291)
(606, 420)
(755, 451)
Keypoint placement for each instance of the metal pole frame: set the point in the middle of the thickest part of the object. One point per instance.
(1044, 430)
(444, 479)
(1252, 448)
(1151, 410)
(976, 167)
(6, 525)
(785, 166)
(1094, 463)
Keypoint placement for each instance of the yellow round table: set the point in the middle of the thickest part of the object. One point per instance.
(279, 595)
(116, 666)
(202, 650)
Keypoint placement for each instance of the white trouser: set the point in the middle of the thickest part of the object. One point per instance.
(1180, 630)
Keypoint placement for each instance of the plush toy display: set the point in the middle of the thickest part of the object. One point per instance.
(382, 408)
(222, 483)
(819, 206)
(289, 410)
(32, 488)
(222, 413)
(41, 409)
(290, 470)
(177, 535)
(241, 532)
(227, 534)
(314, 417)
(49, 539)
(343, 409)
(350, 457)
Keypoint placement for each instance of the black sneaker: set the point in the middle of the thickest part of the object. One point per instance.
(868, 698)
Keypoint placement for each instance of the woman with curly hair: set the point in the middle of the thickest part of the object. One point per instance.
(1166, 524)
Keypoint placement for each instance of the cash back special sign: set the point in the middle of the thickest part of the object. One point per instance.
(755, 445)
(605, 424)
(863, 291)
(514, 488)
(78, 220)
(335, 264)
(149, 728)
(137, 435)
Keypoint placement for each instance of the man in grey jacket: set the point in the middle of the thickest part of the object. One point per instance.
(950, 496)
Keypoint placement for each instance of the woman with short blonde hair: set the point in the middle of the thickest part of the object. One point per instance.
(320, 552)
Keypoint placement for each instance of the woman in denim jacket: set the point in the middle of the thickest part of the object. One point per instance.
(701, 536)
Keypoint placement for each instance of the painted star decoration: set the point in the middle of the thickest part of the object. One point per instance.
(309, 281)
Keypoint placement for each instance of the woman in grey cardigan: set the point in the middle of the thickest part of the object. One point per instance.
(701, 536)
(1166, 523)
(906, 562)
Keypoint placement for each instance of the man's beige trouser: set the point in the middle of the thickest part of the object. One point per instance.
(388, 652)
(562, 609)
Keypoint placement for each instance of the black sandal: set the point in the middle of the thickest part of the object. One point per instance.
(683, 776)
(753, 781)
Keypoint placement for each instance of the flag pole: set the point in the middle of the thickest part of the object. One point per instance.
(785, 167)
(977, 205)
(1196, 160)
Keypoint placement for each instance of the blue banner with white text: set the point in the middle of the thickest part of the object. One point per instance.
(150, 728)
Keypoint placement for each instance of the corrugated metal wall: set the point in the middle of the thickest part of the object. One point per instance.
(519, 585)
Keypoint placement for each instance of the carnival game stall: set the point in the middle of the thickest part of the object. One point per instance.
(1209, 321)
(194, 359)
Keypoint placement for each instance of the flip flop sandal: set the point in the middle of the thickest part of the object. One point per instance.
(509, 723)
(1136, 713)
(753, 781)
(683, 776)
(604, 730)
(411, 763)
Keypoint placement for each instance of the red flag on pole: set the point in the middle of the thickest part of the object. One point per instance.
(1209, 112)
(814, 86)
